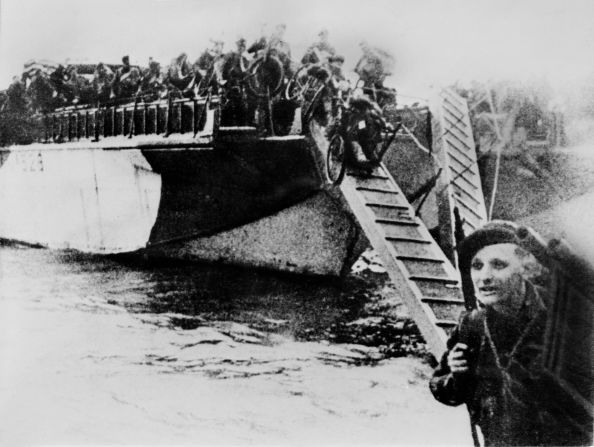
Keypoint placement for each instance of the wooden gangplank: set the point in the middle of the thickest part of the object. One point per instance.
(423, 276)
(459, 188)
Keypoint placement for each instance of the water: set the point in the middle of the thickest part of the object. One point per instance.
(103, 351)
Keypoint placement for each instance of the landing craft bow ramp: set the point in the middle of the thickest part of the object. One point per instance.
(423, 275)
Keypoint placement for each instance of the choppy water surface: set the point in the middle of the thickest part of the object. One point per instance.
(94, 350)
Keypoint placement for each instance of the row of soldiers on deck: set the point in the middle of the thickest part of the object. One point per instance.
(40, 90)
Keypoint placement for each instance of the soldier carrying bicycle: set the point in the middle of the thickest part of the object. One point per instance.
(373, 67)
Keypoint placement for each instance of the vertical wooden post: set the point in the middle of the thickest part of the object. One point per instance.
(76, 124)
(124, 121)
(144, 118)
(157, 108)
(96, 129)
(180, 113)
(194, 116)
(168, 117)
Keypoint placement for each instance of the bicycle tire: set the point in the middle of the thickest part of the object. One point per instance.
(295, 85)
(261, 91)
(336, 155)
(311, 106)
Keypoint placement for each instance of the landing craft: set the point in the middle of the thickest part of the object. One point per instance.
(165, 179)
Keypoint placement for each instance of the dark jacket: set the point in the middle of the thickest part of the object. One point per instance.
(505, 390)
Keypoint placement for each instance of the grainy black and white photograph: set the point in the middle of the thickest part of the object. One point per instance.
(276, 222)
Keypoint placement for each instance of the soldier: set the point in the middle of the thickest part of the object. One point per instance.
(125, 68)
(494, 360)
(152, 85)
(14, 123)
(40, 92)
(209, 66)
(373, 68)
(281, 47)
(180, 75)
(102, 80)
(127, 80)
(320, 50)
(58, 79)
(235, 112)
(72, 85)
(206, 60)
(234, 63)
(16, 100)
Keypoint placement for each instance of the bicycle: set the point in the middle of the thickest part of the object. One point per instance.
(352, 117)
(309, 85)
(265, 73)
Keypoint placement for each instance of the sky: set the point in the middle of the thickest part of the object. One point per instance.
(434, 42)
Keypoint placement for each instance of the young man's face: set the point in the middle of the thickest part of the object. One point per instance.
(497, 275)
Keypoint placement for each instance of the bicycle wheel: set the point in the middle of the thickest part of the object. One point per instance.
(335, 160)
(311, 105)
(297, 84)
(265, 76)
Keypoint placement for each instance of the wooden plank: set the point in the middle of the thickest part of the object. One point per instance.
(446, 94)
(362, 176)
(391, 212)
(437, 279)
(416, 267)
(465, 194)
(388, 198)
(400, 232)
(417, 258)
(453, 130)
(444, 310)
(462, 150)
(413, 249)
(470, 167)
(468, 208)
(374, 183)
(459, 175)
(383, 188)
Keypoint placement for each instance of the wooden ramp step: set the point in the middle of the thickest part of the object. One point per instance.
(422, 274)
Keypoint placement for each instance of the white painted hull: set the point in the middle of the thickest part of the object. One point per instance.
(90, 200)
(109, 202)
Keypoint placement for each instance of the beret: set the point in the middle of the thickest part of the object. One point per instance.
(494, 232)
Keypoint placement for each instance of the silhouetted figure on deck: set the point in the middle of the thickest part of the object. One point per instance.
(152, 85)
(103, 78)
(180, 75)
(40, 92)
(281, 48)
(235, 110)
(127, 81)
(319, 50)
(208, 68)
(15, 125)
(58, 79)
(373, 67)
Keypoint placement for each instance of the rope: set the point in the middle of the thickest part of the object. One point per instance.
(495, 181)
(498, 160)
